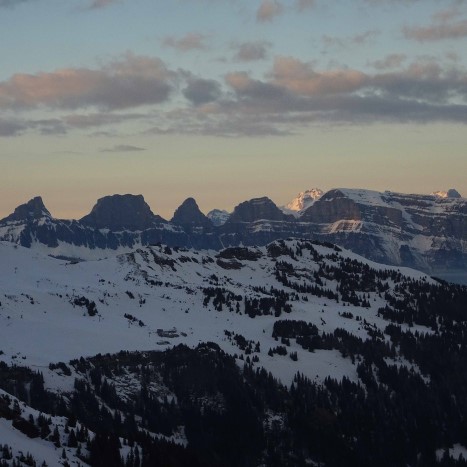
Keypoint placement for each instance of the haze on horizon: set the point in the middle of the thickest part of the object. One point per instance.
(227, 100)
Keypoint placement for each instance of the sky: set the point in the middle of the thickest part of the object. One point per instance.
(226, 100)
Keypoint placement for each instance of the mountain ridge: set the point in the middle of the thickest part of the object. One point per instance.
(423, 231)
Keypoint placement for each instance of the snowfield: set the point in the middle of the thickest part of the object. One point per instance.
(39, 322)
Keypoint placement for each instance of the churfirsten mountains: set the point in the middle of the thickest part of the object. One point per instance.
(427, 232)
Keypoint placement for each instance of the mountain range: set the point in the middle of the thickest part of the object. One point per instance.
(426, 232)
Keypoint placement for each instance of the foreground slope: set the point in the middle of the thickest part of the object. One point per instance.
(299, 352)
(176, 296)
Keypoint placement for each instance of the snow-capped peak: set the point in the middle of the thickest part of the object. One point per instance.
(452, 193)
(303, 200)
(218, 216)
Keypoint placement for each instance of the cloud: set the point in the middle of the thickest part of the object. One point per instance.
(296, 95)
(251, 51)
(301, 78)
(444, 26)
(383, 2)
(201, 91)
(292, 95)
(16, 127)
(437, 32)
(97, 4)
(390, 61)
(93, 5)
(191, 41)
(123, 148)
(302, 5)
(268, 10)
(244, 86)
(351, 41)
(129, 82)
(93, 120)
(11, 3)
(420, 80)
(11, 127)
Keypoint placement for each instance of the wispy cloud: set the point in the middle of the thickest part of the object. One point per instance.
(302, 5)
(251, 51)
(12, 3)
(268, 10)
(97, 4)
(129, 82)
(436, 32)
(123, 148)
(389, 62)
(191, 41)
(350, 41)
(98, 119)
(445, 25)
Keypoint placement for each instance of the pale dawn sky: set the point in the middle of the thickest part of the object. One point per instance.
(225, 100)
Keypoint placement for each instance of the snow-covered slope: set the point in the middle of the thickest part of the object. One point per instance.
(46, 302)
(287, 307)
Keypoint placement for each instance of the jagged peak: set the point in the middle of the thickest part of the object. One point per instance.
(188, 213)
(304, 199)
(301, 202)
(32, 210)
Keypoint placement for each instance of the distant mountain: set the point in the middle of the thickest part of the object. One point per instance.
(30, 211)
(257, 209)
(218, 216)
(189, 216)
(121, 212)
(423, 231)
(302, 201)
(452, 193)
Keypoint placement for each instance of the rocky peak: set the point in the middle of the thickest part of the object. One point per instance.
(121, 212)
(258, 209)
(451, 193)
(189, 214)
(33, 209)
(304, 199)
(333, 206)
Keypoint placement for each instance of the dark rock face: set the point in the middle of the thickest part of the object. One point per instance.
(121, 212)
(257, 209)
(33, 209)
(424, 232)
(189, 216)
(452, 193)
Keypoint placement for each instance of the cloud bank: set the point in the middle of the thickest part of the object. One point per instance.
(191, 41)
(129, 82)
(290, 96)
